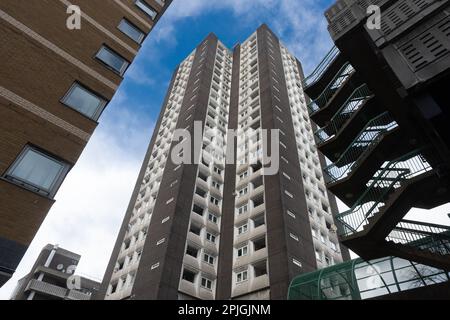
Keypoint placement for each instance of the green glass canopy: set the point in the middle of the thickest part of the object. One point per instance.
(358, 279)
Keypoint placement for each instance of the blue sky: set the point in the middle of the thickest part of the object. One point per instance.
(92, 201)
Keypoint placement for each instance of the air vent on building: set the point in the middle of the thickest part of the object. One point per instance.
(429, 46)
(400, 13)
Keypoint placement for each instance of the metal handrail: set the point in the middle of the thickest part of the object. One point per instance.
(424, 236)
(322, 67)
(353, 104)
(364, 142)
(386, 180)
(339, 79)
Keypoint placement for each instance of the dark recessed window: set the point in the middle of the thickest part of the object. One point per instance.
(84, 101)
(38, 171)
(113, 60)
(188, 275)
(144, 6)
(131, 31)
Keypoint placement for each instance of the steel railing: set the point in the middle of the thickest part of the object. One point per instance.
(339, 79)
(365, 141)
(424, 236)
(322, 67)
(388, 179)
(353, 104)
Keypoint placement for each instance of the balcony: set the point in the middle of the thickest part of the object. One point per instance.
(46, 288)
(260, 282)
(191, 261)
(78, 295)
(188, 288)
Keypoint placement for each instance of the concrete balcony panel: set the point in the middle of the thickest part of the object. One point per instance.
(46, 288)
(259, 283)
(188, 288)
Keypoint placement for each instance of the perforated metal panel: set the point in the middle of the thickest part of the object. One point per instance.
(400, 13)
(429, 46)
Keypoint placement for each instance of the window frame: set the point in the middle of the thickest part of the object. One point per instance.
(56, 184)
(241, 248)
(102, 106)
(213, 237)
(148, 6)
(125, 65)
(215, 218)
(132, 25)
(208, 258)
(206, 282)
(242, 276)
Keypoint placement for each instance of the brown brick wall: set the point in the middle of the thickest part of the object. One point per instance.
(41, 61)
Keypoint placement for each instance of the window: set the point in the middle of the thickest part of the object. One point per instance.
(208, 258)
(191, 251)
(131, 31)
(291, 214)
(293, 236)
(260, 269)
(198, 210)
(206, 283)
(259, 244)
(165, 220)
(217, 170)
(38, 171)
(84, 101)
(241, 276)
(156, 265)
(243, 209)
(188, 275)
(195, 229)
(112, 59)
(216, 185)
(259, 221)
(243, 191)
(214, 201)
(297, 263)
(243, 175)
(286, 176)
(242, 251)
(144, 6)
(212, 218)
(243, 229)
(210, 237)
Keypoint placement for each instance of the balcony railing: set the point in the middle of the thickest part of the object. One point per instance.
(385, 181)
(424, 236)
(322, 67)
(367, 139)
(341, 77)
(353, 103)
